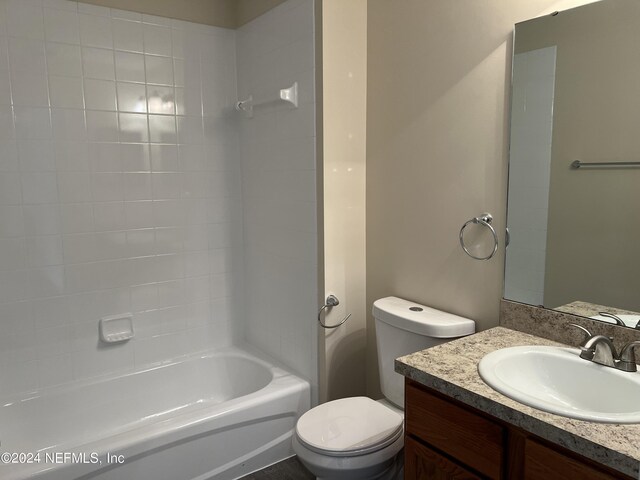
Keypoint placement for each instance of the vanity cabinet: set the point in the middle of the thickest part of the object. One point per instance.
(447, 440)
(423, 462)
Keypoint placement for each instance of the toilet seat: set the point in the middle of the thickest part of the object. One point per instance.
(349, 427)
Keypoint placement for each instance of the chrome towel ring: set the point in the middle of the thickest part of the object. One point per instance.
(485, 220)
(331, 301)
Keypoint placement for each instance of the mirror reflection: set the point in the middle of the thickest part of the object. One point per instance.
(575, 227)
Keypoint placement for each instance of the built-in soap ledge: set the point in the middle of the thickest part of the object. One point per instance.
(116, 328)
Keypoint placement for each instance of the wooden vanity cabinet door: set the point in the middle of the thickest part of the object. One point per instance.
(472, 439)
(473, 442)
(422, 463)
(543, 463)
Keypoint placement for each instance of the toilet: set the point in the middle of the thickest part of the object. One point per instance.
(360, 438)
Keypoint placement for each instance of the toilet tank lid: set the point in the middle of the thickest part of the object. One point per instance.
(421, 319)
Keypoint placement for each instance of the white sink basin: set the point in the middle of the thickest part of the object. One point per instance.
(558, 381)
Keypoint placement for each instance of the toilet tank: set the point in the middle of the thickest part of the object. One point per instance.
(404, 327)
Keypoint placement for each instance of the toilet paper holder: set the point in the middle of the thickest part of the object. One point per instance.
(331, 301)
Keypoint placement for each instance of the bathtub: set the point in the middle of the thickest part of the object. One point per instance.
(217, 415)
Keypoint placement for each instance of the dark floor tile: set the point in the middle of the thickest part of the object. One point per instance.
(289, 469)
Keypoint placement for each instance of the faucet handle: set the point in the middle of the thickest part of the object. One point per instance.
(627, 361)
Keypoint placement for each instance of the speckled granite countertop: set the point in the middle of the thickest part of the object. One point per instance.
(452, 369)
(587, 309)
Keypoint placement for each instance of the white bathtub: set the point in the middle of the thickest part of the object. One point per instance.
(218, 415)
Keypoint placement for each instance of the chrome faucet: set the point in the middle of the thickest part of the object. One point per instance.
(600, 349)
(627, 361)
(597, 348)
(615, 318)
(618, 321)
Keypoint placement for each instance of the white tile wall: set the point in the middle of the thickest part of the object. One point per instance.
(279, 183)
(105, 208)
(529, 171)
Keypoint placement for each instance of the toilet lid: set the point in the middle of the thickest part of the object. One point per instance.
(355, 425)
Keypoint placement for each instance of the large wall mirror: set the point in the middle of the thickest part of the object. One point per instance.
(574, 173)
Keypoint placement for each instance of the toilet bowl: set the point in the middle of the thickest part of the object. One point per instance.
(359, 438)
(350, 438)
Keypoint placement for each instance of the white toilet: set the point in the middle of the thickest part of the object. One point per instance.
(359, 438)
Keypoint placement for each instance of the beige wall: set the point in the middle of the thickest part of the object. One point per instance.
(221, 13)
(247, 10)
(437, 122)
(593, 229)
(344, 129)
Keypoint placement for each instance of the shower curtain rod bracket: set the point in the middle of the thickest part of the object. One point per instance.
(288, 95)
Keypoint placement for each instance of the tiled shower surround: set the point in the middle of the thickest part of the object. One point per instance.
(279, 185)
(121, 190)
(532, 105)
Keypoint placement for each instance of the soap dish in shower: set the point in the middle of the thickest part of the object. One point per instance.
(116, 328)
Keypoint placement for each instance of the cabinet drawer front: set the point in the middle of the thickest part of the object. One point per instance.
(466, 436)
(422, 463)
(543, 463)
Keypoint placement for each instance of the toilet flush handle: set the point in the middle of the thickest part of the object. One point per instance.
(331, 301)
